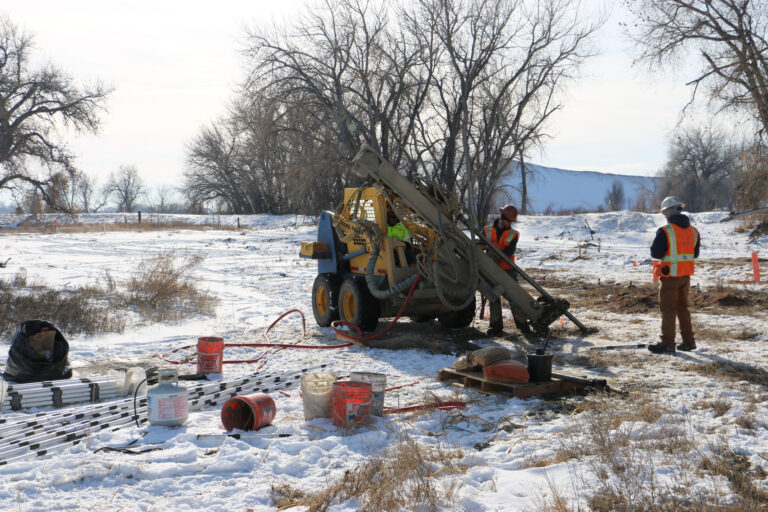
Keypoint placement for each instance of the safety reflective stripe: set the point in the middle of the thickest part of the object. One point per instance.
(511, 235)
(673, 257)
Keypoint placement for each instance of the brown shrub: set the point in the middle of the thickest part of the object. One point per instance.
(162, 288)
(719, 406)
(73, 310)
(403, 477)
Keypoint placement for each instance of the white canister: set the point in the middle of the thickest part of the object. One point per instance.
(167, 402)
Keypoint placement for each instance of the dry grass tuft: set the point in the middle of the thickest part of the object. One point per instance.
(735, 372)
(284, 495)
(50, 229)
(723, 461)
(747, 422)
(745, 334)
(628, 442)
(400, 479)
(73, 310)
(719, 406)
(162, 288)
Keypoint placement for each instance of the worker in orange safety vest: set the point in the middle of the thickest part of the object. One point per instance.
(676, 246)
(502, 235)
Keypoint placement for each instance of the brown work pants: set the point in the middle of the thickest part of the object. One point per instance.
(673, 303)
(496, 321)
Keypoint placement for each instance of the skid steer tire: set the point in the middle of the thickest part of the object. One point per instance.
(357, 305)
(458, 319)
(325, 299)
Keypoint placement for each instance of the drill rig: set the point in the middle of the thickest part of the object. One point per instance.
(363, 275)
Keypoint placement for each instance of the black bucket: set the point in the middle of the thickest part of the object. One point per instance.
(540, 367)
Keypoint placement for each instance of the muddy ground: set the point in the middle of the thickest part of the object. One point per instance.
(629, 298)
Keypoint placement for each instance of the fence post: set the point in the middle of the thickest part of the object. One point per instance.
(755, 266)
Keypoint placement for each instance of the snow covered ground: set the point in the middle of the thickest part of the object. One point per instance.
(257, 275)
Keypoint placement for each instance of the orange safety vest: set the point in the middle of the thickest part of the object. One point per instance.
(492, 234)
(681, 244)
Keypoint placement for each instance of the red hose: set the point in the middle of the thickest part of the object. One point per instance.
(280, 346)
(378, 334)
(265, 334)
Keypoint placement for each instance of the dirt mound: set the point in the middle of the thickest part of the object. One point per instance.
(625, 299)
(726, 298)
(634, 300)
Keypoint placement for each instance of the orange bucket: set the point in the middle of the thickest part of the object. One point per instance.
(351, 402)
(250, 412)
(210, 354)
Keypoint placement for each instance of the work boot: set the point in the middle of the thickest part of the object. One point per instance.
(495, 330)
(660, 348)
(524, 328)
(686, 347)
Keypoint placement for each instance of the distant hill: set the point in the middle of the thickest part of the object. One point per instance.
(552, 190)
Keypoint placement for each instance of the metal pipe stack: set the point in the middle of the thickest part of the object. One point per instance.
(43, 433)
(58, 393)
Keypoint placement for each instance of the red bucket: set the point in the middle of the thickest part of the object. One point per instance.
(210, 355)
(250, 412)
(351, 402)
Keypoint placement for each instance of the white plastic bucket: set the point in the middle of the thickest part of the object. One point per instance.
(378, 382)
(316, 393)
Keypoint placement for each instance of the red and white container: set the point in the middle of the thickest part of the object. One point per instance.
(351, 402)
(210, 355)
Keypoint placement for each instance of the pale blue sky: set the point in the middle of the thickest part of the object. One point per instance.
(174, 65)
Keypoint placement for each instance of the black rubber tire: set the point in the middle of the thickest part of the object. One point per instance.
(325, 299)
(458, 319)
(357, 305)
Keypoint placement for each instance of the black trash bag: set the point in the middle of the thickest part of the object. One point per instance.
(38, 352)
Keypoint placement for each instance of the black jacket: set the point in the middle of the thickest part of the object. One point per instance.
(659, 245)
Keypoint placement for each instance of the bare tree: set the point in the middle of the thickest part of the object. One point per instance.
(729, 36)
(262, 158)
(699, 170)
(125, 186)
(450, 91)
(34, 102)
(615, 198)
(352, 71)
(161, 199)
(751, 182)
(516, 95)
(88, 197)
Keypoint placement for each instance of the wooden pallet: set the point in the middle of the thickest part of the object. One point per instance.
(560, 383)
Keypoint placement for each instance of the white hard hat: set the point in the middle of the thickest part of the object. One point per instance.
(671, 202)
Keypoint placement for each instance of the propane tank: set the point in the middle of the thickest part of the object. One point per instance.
(167, 402)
